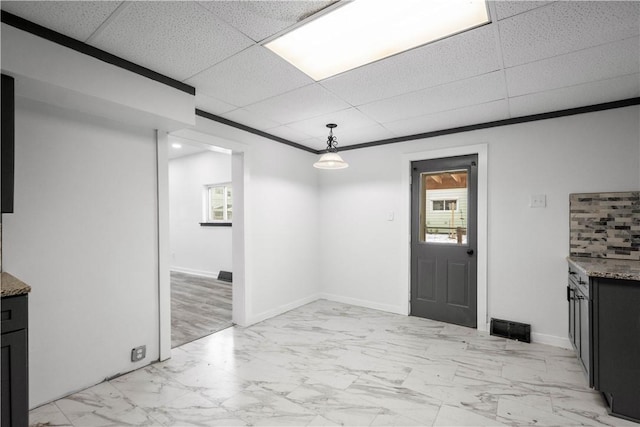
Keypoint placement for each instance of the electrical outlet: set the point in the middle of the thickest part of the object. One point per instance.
(538, 201)
(138, 353)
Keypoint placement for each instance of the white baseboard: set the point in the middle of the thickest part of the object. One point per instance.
(552, 340)
(252, 319)
(211, 274)
(365, 303)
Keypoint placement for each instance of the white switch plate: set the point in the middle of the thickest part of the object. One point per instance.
(390, 216)
(538, 201)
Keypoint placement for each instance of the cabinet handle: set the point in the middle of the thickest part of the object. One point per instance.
(573, 273)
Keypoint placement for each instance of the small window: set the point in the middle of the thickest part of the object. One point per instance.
(218, 203)
(444, 205)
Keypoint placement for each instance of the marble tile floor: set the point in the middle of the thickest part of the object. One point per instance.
(200, 306)
(327, 364)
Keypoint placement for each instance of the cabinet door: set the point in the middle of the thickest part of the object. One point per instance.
(15, 399)
(584, 331)
(572, 316)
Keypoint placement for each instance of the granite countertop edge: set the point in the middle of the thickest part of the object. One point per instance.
(12, 286)
(607, 268)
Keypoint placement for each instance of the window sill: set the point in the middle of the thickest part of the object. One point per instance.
(215, 224)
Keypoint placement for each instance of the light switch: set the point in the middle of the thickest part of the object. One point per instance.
(390, 216)
(538, 201)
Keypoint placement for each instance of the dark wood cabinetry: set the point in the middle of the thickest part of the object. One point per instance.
(579, 315)
(15, 377)
(616, 344)
(7, 143)
(604, 328)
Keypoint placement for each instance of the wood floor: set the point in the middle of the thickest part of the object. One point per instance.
(199, 306)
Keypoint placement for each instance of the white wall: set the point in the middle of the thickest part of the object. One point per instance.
(84, 236)
(196, 249)
(361, 249)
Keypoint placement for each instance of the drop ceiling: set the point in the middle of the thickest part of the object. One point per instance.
(534, 57)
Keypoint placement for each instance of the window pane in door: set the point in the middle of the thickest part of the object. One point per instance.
(443, 207)
(229, 204)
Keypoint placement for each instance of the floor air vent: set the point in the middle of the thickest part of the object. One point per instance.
(226, 276)
(512, 330)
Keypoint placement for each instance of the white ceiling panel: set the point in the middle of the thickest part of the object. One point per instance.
(212, 105)
(351, 137)
(248, 118)
(476, 90)
(287, 133)
(76, 19)
(455, 58)
(563, 27)
(597, 63)
(505, 9)
(299, 104)
(576, 96)
(347, 120)
(261, 19)
(361, 135)
(536, 57)
(178, 39)
(250, 76)
(491, 111)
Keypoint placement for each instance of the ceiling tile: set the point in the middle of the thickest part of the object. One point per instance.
(250, 76)
(76, 19)
(566, 26)
(505, 9)
(347, 120)
(465, 55)
(261, 19)
(178, 39)
(576, 96)
(597, 63)
(476, 90)
(351, 137)
(250, 119)
(212, 105)
(360, 135)
(299, 104)
(491, 111)
(287, 133)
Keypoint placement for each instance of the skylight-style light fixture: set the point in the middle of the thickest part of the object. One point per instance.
(364, 31)
(331, 159)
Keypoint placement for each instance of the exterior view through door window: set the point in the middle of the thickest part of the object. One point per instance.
(443, 207)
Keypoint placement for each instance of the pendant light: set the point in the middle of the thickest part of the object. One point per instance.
(331, 159)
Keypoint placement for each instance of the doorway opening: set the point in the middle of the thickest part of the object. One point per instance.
(200, 239)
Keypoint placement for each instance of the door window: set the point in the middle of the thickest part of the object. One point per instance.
(443, 207)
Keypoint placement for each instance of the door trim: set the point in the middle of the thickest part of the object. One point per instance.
(405, 221)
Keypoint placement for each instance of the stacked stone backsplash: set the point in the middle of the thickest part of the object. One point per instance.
(605, 225)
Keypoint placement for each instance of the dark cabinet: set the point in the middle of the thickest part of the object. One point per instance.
(7, 144)
(616, 338)
(604, 328)
(579, 319)
(15, 378)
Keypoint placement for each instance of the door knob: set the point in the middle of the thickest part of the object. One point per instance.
(469, 251)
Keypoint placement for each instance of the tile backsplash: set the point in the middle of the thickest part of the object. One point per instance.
(605, 225)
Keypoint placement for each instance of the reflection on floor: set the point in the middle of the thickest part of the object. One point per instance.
(333, 364)
(200, 306)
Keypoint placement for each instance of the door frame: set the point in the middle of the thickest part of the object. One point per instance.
(241, 287)
(405, 221)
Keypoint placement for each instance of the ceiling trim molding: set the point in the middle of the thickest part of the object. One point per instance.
(254, 131)
(515, 120)
(78, 46)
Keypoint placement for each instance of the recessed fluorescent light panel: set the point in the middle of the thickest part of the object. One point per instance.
(364, 31)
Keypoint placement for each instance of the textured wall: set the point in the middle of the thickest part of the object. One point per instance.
(605, 225)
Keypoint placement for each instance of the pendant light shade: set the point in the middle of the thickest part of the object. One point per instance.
(331, 159)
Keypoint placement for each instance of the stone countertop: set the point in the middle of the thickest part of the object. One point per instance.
(12, 286)
(607, 268)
